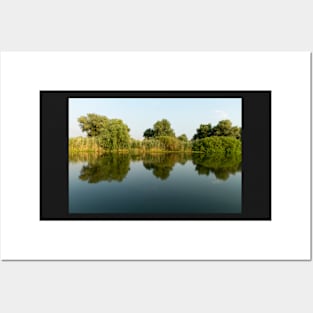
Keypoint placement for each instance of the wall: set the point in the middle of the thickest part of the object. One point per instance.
(151, 286)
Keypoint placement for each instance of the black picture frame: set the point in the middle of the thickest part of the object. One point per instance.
(256, 145)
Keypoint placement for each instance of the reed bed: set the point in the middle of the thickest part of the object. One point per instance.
(84, 144)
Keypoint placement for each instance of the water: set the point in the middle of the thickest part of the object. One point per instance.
(171, 183)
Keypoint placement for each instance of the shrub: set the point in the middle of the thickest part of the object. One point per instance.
(218, 146)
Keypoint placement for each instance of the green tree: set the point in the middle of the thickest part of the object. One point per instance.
(149, 133)
(135, 144)
(183, 138)
(92, 124)
(170, 143)
(163, 128)
(205, 130)
(218, 146)
(114, 135)
(236, 132)
(223, 128)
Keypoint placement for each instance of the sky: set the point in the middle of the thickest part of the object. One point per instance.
(184, 114)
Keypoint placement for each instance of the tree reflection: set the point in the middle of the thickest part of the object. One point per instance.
(108, 167)
(78, 157)
(221, 168)
(162, 164)
(115, 167)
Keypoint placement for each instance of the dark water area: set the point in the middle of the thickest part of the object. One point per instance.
(165, 183)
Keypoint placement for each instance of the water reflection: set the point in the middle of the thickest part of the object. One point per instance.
(108, 167)
(221, 168)
(162, 164)
(115, 167)
(79, 157)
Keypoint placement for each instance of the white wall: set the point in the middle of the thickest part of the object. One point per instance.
(150, 286)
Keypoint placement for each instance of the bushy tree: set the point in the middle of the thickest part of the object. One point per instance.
(205, 130)
(149, 133)
(219, 146)
(170, 143)
(236, 132)
(111, 134)
(223, 128)
(163, 128)
(92, 124)
(183, 138)
(114, 135)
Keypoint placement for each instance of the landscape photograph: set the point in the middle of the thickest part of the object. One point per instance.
(155, 156)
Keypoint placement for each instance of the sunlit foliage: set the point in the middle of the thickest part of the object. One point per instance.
(219, 146)
(223, 128)
(92, 124)
(114, 136)
(183, 138)
(203, 131)
(163, 128)
(84, 144)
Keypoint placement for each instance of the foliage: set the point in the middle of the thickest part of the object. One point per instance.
(84, 144)
(108, 134)
(219, 146)
(223, 128)
(163, 128)
(151, 145)
(135, 144)
(92, 124)
(183, 137)
(111, 135)
(170, 143)
(167, 143)
(160, 144)
(236, 132)
(205, 130)
(114, 135)
(149, 133)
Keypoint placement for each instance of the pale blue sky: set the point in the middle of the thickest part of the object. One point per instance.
(184, 114)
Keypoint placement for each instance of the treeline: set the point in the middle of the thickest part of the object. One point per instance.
(220, 141)
(112, 135)
(160, 144)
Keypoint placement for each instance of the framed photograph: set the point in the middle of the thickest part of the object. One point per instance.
(155, 156)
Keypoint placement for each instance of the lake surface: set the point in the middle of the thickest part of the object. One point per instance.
(167, 183)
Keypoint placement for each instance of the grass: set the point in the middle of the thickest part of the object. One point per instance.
(91, 144)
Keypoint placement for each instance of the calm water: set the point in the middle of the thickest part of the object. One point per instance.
(160, 183)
